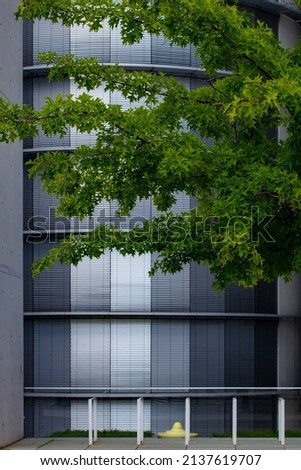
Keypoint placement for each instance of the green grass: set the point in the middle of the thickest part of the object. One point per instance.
(105, 433)
(117, 433)
(262, 433)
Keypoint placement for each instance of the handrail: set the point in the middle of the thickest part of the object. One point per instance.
(176, 389)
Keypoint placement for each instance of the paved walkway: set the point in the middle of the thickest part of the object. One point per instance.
(155, 444)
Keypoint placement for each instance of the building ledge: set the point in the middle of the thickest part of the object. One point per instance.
(107, 314)
(198, 392)
(278, 7)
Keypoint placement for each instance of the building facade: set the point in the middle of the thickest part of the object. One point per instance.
(105, 328)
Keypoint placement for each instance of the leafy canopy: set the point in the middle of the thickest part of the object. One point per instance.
(247, 184)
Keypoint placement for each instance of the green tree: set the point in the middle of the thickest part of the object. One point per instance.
(247, 184)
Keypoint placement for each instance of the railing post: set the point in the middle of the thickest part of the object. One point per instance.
(281, 421)
(140, 431)
(92, 418)
(234, 421)
(187, 421)
(95, 418)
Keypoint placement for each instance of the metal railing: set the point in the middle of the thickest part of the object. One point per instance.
(235, 393)
(92, 417)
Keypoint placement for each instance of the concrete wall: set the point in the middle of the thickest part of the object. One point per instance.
(288, 31)
(289, 295)
(289, 352)
(11, 262)
(289, 332)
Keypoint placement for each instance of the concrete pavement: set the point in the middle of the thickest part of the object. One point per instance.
(154, 444)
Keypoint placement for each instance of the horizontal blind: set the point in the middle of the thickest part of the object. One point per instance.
(130, 353)
(194, 58)
(170, 292)
(48, 36)
(28, 99)
(51, 288)
(86, 43)
(51, 415)
(28, 282)
(101, 215)
(118, 98)
(165, 412)
(90, 284)
(52, 352)
(124, 415)
(27, 42)
(170, 353)
(265, 351)
(28, 200)
(44, 209)
(138, 53)
(141, 212)
(80, 417)
(239, 300)
(28, 352)
(85, 138)
(111, 414)
(207, 353)
(130, 283)
(166, 54)
(208, 416)
(239, 353)
(90, 353)
(203, 298)
(42, 88)
(182, 204)
(265, 297)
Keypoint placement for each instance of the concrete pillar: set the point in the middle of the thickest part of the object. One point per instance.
(289, 294)
(11, 262)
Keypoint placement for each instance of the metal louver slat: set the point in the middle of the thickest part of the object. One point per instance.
(265, 297)
(90, 353)
(170, 292)
(130, 353)
(44, 209)
(239, 353)
(239, 300)
(48, 36)
(41, 89)
(28, 283)
(51, 289)
(182, 204)
(124, 415)
(130, 283)
(265, 347)
(207, 353)
(52, 352)
(165, 412)
(170, 353)
(85, 138)
(90, 284)
(27, 42)
(80, 419)
(203, 297)
(139, 53)
(165, 53)
(86, 43)
(101, 215)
